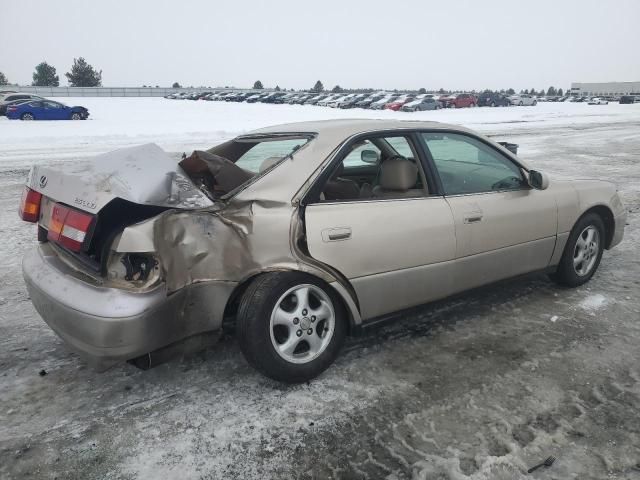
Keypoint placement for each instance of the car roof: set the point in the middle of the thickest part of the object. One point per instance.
(344, 128)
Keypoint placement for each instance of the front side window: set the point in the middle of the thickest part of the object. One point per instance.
(467, 165)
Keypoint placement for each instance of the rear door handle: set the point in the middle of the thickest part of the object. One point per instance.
(475, 218)
(336, 234)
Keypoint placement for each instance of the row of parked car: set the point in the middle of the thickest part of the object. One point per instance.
(393, 101)
(374, 101)
(27, 106)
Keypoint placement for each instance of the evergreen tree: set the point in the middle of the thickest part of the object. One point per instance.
(45, 76)
(257, 85)
(3, 79)
(551, 91)
(510, 91)
(176, 85)
(422, 91)
(560, 92)
(83, 75)
(277, 88)
(318, 87)
(336, 89)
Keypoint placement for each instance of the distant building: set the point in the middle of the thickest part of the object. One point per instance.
(608, 88)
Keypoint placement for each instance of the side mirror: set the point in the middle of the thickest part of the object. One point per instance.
(369, 156)
(538, 180)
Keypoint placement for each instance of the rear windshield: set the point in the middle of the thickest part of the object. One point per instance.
(268, 150)
(230, 165)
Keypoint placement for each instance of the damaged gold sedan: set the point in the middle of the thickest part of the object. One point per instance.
(296, 234)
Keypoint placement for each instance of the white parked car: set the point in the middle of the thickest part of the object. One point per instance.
(598, 101)
(523, 99)
(327, 101)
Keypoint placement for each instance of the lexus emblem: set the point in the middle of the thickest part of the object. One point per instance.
(43, 181)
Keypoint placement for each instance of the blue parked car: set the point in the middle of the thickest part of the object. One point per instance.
(46, 110)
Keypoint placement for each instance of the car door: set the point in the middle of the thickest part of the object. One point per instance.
(503, 227)
(397, 250)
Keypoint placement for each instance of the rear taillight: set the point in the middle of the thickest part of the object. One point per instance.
(12, 109)
(30, 205)
(69, 227)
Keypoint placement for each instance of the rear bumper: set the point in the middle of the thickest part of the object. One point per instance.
(109, 325)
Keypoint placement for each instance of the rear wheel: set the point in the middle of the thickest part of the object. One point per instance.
(290, 326)
(535, 102)
(520, 103)
(493, 104)
(472, 105)
(76, 116)
(27, 116)
(582, 253)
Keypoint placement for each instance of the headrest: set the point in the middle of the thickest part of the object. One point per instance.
(398, 174)
(268, 162)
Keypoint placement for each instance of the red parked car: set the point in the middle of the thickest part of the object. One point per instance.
(398, 103)
(459, 100)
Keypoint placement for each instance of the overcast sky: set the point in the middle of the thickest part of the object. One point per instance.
(453, 44)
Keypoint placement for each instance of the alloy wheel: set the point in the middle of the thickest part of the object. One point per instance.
(585, 253)
(302, 323)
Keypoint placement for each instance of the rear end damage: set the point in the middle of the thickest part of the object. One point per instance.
(96, 277)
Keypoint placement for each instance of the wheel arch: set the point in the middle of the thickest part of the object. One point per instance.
(348, 303)
(607, 217)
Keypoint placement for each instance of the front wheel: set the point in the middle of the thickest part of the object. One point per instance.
(535, 102)
(290, 326)
(583, 252)
(76, 116)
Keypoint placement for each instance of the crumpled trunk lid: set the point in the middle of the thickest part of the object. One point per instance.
(144, 174)
(119, 189)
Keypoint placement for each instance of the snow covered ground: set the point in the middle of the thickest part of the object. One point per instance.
(482, 386)
(183, 125)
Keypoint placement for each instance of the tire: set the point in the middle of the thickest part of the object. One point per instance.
(27, 116)
(493, 104)
(535, 102)
(571, 271)
(76, 116)
(269, 318)
(520, 104)
(472, 105)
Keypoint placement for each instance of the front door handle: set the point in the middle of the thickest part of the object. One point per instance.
(336, 234)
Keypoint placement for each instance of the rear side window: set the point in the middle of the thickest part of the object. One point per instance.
(467, 165)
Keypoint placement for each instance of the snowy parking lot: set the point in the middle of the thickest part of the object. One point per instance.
(481, 386)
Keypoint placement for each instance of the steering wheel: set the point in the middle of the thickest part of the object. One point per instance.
(507, 182)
